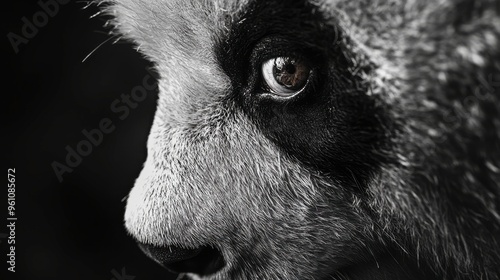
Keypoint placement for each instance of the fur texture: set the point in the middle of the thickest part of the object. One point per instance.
(386, 167)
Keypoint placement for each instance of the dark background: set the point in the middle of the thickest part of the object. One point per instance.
(71, 229)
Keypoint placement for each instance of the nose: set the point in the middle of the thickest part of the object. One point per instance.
(202, 261)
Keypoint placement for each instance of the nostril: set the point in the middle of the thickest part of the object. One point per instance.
(203, 260)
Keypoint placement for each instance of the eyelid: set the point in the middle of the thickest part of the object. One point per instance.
(272, 47)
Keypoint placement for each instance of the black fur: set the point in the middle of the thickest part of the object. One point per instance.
(332, 127)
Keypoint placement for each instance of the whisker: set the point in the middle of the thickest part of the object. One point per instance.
(96, 48)
(96, 14)
(87, 4)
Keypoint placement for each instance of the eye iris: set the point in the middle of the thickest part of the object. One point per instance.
(290, 72)
(285, 76)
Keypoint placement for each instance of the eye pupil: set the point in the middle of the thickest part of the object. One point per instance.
(290, 69)
(290, 72)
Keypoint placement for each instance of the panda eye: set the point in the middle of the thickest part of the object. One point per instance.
(285, 76)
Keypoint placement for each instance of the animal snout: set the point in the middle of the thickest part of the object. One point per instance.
(203, 260)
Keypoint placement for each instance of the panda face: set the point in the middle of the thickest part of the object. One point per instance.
(318, 139)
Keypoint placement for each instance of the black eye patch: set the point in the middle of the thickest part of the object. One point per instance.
(332, 126)
(268, 29)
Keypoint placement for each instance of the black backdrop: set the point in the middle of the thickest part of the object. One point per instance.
(71, 229)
